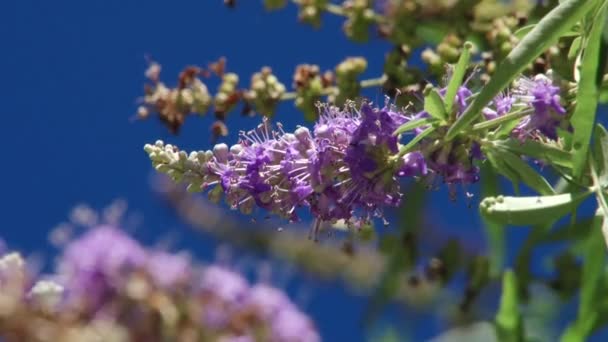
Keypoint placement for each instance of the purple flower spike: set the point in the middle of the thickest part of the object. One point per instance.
(344, 168)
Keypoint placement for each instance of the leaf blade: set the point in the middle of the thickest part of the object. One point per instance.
(583, 118)
(456, 80)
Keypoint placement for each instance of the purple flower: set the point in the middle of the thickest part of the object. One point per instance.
(293, 326)
(345, 168)
(413, 165)
(269, 301)
(95, 264)
(500, 106)
(224, 284)
(167, 270)
(546, 112)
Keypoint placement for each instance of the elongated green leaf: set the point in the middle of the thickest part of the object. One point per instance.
(504, 119)
(508, 318)
(544, 34)
(457, 76)
(495, 232)
(523, 31)
(591, 285)
(410, 125)
(600, 153)
(575, 47)
(503, 169)
(526, 173)
(537, 150)
(583, 118)
(570, 232)
(433, 104)
(529, 210)
(410, 145)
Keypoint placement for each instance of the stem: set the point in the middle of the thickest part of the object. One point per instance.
(499, 120)
(339, 10)
(407, 148)
(369, 83)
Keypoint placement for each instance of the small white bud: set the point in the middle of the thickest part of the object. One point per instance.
(47, 294)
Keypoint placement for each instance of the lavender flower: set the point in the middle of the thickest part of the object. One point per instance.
(345, 168)
(95, 264)
(292, 325)
(546, 112)
(103, 270)
(168, 270)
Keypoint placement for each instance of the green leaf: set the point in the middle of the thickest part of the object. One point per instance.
(410, 125)
(529, 210)
(537, 150)
(495, 232)
(587, 95)
(544, 34)
(523, 31)
(501, 167)
(600, 153)
(525, 172)
(503, 119)
(508, 320)
(410, 145)
(591, 284)
(457, 76)
(575, 47)
(570, 232)
(433, 104)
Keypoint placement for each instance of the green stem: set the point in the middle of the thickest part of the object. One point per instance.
(369, 83)
(499, 120)
(339, 11)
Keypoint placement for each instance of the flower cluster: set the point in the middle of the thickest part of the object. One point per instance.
(110, 288)
(539, 112)
(346, 167)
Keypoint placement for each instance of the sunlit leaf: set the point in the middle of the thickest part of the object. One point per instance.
(583, 118)
(529, 210)
(525, 172)
(591, 284)
(537, 150)
(457, 76)
(433, 104)
(413, 124)
(508, 319)
(575, 47)
(495, 232)
(600, 153)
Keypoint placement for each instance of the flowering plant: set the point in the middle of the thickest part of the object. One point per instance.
(518, 92)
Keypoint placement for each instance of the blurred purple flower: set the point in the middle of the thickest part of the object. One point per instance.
(167, 269)
(96, 263)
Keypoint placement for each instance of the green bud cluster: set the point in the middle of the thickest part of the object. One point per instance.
(501, 37)
(174, 104)
(447, 52)
(227, 95)
(265, 92)
(274, 4)
(310, 85)
(359, 19)
(347, 73)
(310, 11)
